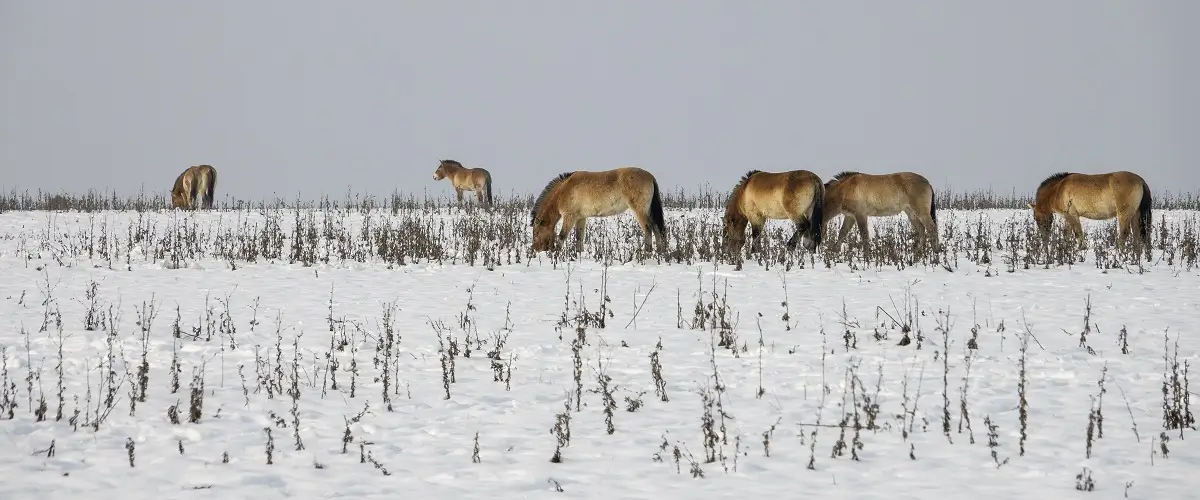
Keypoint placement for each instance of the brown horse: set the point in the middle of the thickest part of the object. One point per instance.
(198, 181)
(858, 196)
(466, 179)
(796, 195)
(1124, 195)
(575, 196)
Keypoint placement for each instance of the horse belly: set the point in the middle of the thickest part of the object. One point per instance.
(1094, 210)
(880, 203)
(773, 208)
(608, 206)
(464, 181)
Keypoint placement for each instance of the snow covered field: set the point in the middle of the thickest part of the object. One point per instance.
(260, 354)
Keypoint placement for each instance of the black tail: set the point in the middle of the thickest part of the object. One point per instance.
(194, 192)
(212, 189)
(933, 207)
(658, 221)
(487, 186)
(816, 223)
(1144, 214)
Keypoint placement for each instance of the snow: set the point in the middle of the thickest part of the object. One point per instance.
(425, 441)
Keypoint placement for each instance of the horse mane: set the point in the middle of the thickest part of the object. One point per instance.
(736, 193)
(737, 188)
(537, 205)
(454, 163)
(839, 176)
(844, 174)
(1052, 178)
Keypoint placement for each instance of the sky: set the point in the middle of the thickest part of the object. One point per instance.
(304, 98)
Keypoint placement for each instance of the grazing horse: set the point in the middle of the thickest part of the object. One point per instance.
(796, 195)
(575, 196)
(197, 182)
(1124, 195)
(858, 196)
(466, 179)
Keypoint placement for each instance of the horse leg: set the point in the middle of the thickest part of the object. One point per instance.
(756, 237)
(931, 229)
(922, 227)
(1133, 230)
(569, 222)
(458, 192)
(1123, 220)
(864, 231)
(580, 232)
(1077, 228)
(847, 226)
(918, 230)
(801, 226)
(643, 219)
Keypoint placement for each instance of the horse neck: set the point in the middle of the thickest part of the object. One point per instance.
(1049, 194)
(548, 210)
(452, 169)
(831, 196)
(733, 208)
(547, 214)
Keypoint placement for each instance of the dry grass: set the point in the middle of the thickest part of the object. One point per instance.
(403, 230)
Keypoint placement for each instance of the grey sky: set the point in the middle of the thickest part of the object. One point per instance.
(320, 97)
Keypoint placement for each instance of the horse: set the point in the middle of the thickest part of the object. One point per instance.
(466, 179)
(795, 195)
(1124, 195)
(575, 196)
(858, 196)
(199, 181)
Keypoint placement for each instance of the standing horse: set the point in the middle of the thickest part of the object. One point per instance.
(858, 196)
(575, 196)
(198, 181)
(466, 179)
(1124, 195)
(796, 195)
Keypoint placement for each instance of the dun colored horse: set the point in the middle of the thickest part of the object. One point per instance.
(858, 196)
(796, 195)
(1124, 195)
(575, 196)
(197, 182)
(466, 179)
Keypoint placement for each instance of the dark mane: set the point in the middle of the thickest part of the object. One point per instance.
(537, 205)
(745, 178)
(843, 174)
(1053, 178)
(737, 189)
(453, 163)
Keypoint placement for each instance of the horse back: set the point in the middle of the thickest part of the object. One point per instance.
(606, 192)
(881, 194)
(470, 179)
(779, 195)
(1099, 196)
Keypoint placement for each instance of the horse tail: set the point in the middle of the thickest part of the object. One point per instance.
(818, 213)
(1144, 214)
(933, 206)
(195, 187)
(658, 221)
(487, 186)
(211, 188)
